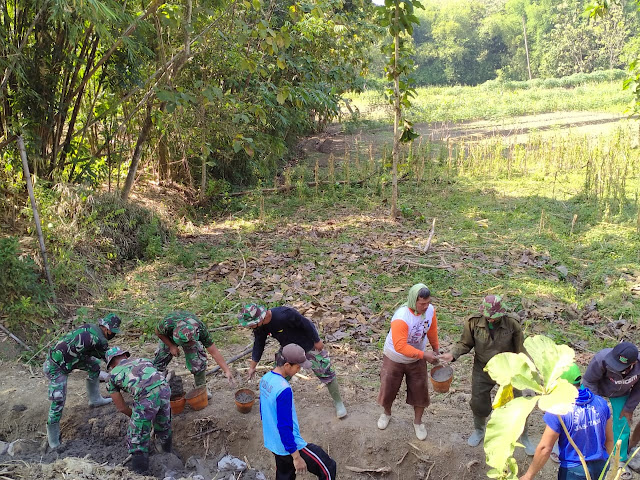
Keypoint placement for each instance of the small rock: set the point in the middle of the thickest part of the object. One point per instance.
(160, 465)
(4, 446)
(198, 477)
(260, 476)
(23, 447)
(231, 463)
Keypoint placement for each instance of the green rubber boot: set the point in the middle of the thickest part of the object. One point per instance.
(200, 379)
(334, 390)
(53, 435)
(480, 425)
(529, 448)
(93, 389)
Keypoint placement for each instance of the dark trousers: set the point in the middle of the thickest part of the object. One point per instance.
(317, 460)
(577, 473)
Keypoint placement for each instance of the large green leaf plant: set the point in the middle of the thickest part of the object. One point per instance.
(538, 372)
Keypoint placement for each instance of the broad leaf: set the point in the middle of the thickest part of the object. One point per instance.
(503, 430)
(504, 396)
(550, 359)
(561, 398)
(513, 368)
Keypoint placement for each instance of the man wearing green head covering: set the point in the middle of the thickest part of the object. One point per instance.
(490, 331)
(405, 357)
(184, 329)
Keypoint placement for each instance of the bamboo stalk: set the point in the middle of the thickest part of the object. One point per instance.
(36, 216)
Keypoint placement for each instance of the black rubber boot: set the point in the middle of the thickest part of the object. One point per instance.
(140, 462)
(165, 447)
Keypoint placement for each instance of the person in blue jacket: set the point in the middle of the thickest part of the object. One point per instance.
(280, 422)
(590, 426)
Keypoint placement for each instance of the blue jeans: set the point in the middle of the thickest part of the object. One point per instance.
(577, 473)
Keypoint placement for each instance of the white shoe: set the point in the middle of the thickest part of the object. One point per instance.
(383, 421)
(421, 431)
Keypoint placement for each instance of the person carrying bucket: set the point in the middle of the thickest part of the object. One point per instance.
(405, 356)
(490, 331)
(151, 408)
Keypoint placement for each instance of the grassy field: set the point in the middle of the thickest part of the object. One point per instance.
(498, 100)
(552, 225)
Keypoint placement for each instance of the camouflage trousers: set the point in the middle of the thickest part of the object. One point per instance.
(195, 357)
(151, 409)
(320, 364)
(58, 383)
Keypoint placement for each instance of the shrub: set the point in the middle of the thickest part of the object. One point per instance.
(24, 291)
(128, 231)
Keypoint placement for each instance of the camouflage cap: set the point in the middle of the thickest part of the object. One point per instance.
(112, 322)
(492, 306)
(184, 332)
(251, 314)
(115, 352)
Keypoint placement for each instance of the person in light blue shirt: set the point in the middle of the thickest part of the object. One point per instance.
(280, 428)
(590, 426)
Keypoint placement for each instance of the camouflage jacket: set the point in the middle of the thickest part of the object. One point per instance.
(166, 326)
(86, 341)
(135, 376)
(507, 337)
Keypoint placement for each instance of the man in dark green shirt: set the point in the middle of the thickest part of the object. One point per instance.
(489, 332)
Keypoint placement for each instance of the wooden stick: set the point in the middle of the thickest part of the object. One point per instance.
(431, 232)
(20, 342)
(426, 265)
(244, 353)
(93, 307)
(36, 216)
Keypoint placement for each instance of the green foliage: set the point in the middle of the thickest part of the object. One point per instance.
(24, 291)
(470, 42)
(125, 230)
(540, 373)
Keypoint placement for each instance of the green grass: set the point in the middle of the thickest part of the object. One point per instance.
(494, 101)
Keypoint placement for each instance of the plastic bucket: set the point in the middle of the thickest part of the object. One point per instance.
(197, 398)
(243, 404)
(177, 404)
(441, 377)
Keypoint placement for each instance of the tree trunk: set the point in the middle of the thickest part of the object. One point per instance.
(164, 170)
(396, 120)
(526, 46)
(142, 138)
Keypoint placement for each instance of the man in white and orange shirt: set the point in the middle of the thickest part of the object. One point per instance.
(405, 356)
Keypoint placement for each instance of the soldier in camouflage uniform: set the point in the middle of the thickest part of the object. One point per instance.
(81, 349)
(184, 329)
(491, 331)
(151, 404)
